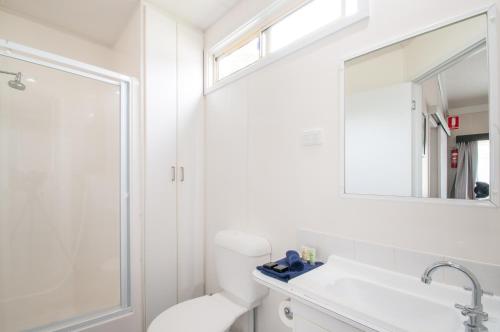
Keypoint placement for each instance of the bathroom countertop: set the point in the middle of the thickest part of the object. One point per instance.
(376, 295)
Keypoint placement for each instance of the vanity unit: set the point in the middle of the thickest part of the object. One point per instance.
(345, 295)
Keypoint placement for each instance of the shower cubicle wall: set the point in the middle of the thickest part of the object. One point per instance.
(64, 184)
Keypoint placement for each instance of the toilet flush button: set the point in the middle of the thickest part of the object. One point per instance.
(312, 137)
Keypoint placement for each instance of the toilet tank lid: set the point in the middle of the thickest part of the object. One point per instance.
(243, 243)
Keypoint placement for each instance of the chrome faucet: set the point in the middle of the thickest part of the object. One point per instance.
(474, 312)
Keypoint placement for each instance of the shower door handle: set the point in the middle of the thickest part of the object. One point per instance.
(173, 176)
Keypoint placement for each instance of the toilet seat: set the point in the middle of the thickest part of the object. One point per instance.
(213, 313)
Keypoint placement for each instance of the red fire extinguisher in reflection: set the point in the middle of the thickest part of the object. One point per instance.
(454, 158)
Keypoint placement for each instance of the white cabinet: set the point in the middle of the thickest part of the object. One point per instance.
(308, 319)
(173, 102)
(303, 325)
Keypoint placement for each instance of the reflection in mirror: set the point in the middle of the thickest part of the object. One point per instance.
(417, 116)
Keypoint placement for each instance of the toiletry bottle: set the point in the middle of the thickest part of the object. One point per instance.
(312, 256)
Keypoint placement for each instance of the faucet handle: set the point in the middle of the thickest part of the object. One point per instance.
(469, 311)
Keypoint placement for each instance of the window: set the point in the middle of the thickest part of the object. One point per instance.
(238, 59)
(278, 27)
(311, 17)
(483, 161)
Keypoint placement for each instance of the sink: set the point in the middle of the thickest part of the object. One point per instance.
(392, 308)
(378, 299)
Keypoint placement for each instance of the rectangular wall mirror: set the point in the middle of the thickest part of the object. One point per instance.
(417, 116)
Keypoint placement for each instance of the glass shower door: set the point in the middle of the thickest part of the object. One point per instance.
(63, 166)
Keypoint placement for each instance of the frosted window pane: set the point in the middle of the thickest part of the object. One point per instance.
(300, 23)
(239, 59)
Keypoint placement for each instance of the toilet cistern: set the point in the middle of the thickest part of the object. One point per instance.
(476, 315)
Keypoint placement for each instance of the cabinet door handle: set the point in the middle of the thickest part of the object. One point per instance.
(182, 174)
(172, 173)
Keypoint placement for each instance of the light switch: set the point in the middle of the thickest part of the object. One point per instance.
(311, 137)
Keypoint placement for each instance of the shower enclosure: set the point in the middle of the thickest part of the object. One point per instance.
(64, 184)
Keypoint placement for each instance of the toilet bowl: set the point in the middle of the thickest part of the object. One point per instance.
(236, 256)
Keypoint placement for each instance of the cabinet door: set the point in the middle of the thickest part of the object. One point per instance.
(307, 319)
(190, 126)
(303, 325)
(160, 93)
(332, 325)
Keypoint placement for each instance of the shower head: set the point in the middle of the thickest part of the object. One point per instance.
(17, 84)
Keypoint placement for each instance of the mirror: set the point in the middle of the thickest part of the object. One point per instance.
(417, 116)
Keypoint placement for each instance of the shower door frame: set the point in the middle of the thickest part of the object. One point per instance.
(24, 53)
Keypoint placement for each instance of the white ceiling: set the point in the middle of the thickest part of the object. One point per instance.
(200, 13)
(466, 83)
(101, 21)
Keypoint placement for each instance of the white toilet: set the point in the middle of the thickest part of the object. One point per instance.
(236, 256)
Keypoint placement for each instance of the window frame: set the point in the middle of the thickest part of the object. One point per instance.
(258, 26)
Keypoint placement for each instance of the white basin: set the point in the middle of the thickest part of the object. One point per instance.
(389, 307)
(382, 300)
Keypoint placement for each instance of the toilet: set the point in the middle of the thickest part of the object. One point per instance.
(236, 256)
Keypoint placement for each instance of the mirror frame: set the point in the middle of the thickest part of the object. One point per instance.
(494, 120)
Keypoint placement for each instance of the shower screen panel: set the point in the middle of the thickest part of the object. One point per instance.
(63, 184)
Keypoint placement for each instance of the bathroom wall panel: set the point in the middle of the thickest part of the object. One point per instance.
(229, 110)
(254, 128)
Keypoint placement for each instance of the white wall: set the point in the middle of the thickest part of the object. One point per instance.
(261, 180)
(127, 49)
(377, 69)
(405, 61)
(122, 58)
(444, 43)
(472, 123)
